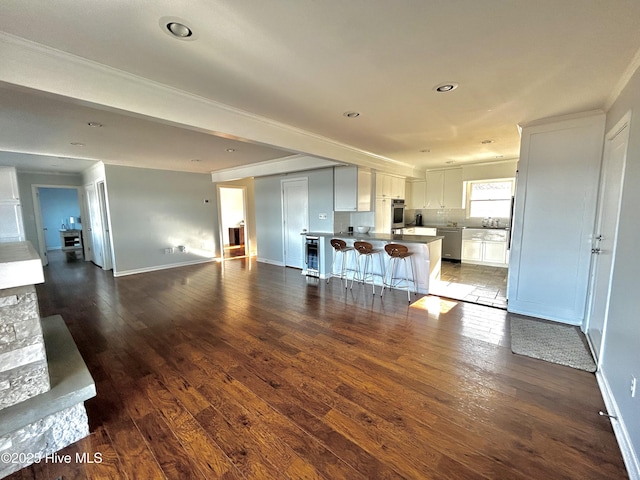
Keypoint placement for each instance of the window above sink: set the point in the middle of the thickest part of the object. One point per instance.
(489, 198)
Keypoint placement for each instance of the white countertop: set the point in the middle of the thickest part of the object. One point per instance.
(20, 265)
(372, 236)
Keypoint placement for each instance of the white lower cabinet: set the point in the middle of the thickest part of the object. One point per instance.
(472, 250)
(484, 247)
(495, 252)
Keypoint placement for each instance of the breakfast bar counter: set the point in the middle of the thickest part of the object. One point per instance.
(426, 250)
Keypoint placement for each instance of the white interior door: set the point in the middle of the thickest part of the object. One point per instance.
(94, 234)
(104, 223)
(613, 164)
(295, 210)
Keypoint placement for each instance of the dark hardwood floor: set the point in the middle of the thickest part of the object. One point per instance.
(248, 370)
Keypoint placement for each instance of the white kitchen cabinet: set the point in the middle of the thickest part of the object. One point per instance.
(471, 251)
(444, 189)
(351, 189)
(11, 225)
(429, 231)
(398, 187)
(484, 246)
(495, 252)
(452, 188)
(417, 196)
(390, 186)
(383, 215)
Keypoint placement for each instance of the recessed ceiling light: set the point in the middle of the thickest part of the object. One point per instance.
(499, 156)
(446, 87)
(230, 150)
(196, 160)
(449, 162)
(95, 124)
(425, 150)
(179, 30)
(77, 144)
(486, 142)
(351, 114)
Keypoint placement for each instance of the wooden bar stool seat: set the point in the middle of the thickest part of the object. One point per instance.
(341, 248)
(366, 250)
(399, 253)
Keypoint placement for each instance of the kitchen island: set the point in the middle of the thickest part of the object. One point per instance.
(426, 249)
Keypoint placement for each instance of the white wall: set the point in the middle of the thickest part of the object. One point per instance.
(152, 210)
(621, 350)
(268, 208)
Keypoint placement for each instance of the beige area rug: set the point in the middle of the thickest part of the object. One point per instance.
(552, 342)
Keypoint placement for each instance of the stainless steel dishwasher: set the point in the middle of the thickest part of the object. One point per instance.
(451, 243)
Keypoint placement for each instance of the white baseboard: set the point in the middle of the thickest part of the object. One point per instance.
(619, 428)
(519, 309)
(162, 267)
(271, 262)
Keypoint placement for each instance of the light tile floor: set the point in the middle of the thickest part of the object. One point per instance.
(473, 283)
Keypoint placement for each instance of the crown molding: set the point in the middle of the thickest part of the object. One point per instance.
(35, 66)
(623, 81)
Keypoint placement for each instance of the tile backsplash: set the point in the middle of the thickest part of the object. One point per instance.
(448, 216)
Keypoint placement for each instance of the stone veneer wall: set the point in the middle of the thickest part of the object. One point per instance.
(36, 441)
(23, 360)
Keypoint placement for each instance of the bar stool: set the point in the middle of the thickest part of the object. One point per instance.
(340, 247)
(366, 250)
(397, 253)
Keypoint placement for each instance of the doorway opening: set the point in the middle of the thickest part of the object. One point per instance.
(58, 215)
(233, 216)
(475, 269)
(481, 284)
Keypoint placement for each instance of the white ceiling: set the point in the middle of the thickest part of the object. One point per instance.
(301, 64)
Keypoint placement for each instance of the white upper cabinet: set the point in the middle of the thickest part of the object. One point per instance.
(8, 184)
(11, 225)
(390, 186)
(418, 197)
(452, 190)
(444, 189)
(352, 189)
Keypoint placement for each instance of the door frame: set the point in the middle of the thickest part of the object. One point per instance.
(37, 210)
(283, 182)
(625, 122)
(247, 236)
(105, 221)
(104, 217)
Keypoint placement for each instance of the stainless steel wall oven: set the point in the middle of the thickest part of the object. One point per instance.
(397, 213)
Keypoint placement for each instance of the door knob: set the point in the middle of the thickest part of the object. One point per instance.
(595, 250)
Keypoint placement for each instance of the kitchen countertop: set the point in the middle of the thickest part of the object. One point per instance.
(461, 227)
(381, 237)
